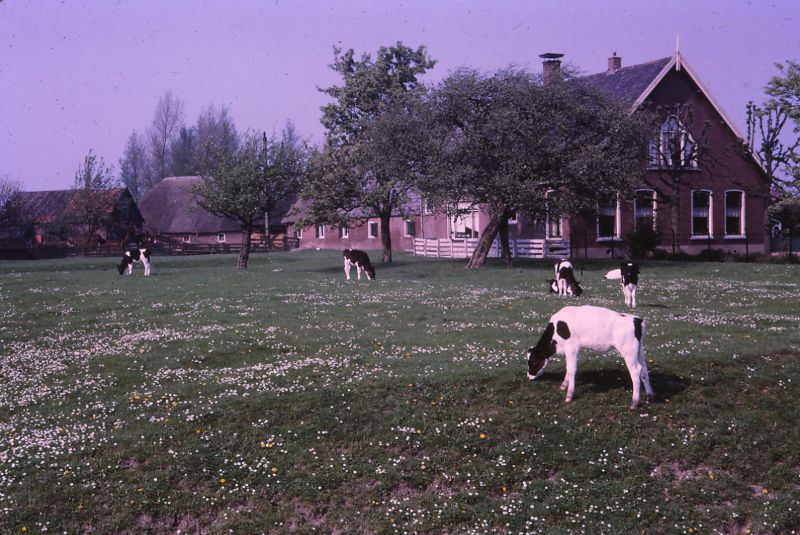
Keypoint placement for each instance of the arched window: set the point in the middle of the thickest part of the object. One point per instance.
(734, 213)
(644, 208)
(674, 146)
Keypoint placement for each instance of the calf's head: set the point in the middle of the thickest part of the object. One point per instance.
(540, 354)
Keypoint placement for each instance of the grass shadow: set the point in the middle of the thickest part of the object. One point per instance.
(665, 385)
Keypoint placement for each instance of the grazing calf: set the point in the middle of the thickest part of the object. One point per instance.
(630, 281)
(565, 279)
(574, 328)
(136, 255)
(359, 259)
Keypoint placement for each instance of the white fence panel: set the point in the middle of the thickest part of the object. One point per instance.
(462, 248)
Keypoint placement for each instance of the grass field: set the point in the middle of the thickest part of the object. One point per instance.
(285, 399)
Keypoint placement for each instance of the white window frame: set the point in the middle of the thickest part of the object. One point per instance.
(319, 231)
(186, 238)
(406, 222)
(370, 235)
(660, 155)
(551, 222)
(221, 236)
(653, 206)
(617, 227)
(469, 219)
(710, 216)
(514, 219)
(742, 214)
(344, 232)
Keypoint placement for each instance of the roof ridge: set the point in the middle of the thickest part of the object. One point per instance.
(628, 67)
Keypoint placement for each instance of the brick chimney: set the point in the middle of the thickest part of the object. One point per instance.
(614, 63)
(551, 66)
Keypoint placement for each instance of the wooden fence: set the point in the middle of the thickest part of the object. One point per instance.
(463, 248)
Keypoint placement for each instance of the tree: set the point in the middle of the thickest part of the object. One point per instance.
(134, 166)
(216, 131)
(183, 153)
(510, 143)
(767, 138)
(246, 184)
(88, 207)
(8, 209)
(369, 163)
(787, 211)
(166, 126)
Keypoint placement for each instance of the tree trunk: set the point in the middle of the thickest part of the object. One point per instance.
(386, 238)
(503, 230)
(244, 253)
(485, 243)
(675, 216)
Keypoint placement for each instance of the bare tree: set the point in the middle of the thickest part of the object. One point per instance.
(134, 166)
(166, 125)
(678, 151)
(8, 190)
(88, 205)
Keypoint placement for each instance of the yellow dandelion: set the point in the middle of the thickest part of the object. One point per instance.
(262, 445)
(711, 476)
(503, 489)
(270, 444)
(764, 491)
(198, 430)
(140, 490)
(23, 529)
(482, 436)
(690, 530)
(222, 481)
(132, 502)
(419, 431)
(274, 470)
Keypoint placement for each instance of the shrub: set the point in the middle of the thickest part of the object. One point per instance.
(643, 239)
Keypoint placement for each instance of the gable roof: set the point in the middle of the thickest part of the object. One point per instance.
(47, 206)
(628, 84)
(632, 85)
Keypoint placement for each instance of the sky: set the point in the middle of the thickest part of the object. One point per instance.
(82, 75)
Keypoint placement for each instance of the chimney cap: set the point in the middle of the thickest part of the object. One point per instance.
(551, 55)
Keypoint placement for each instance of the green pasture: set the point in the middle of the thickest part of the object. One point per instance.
(285, 399)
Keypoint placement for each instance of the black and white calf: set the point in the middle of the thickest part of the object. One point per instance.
(136, 255)
(628, 274)
(359, 259)
(565, 279)
(588, 327)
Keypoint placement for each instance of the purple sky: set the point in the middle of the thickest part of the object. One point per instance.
(83, 75)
